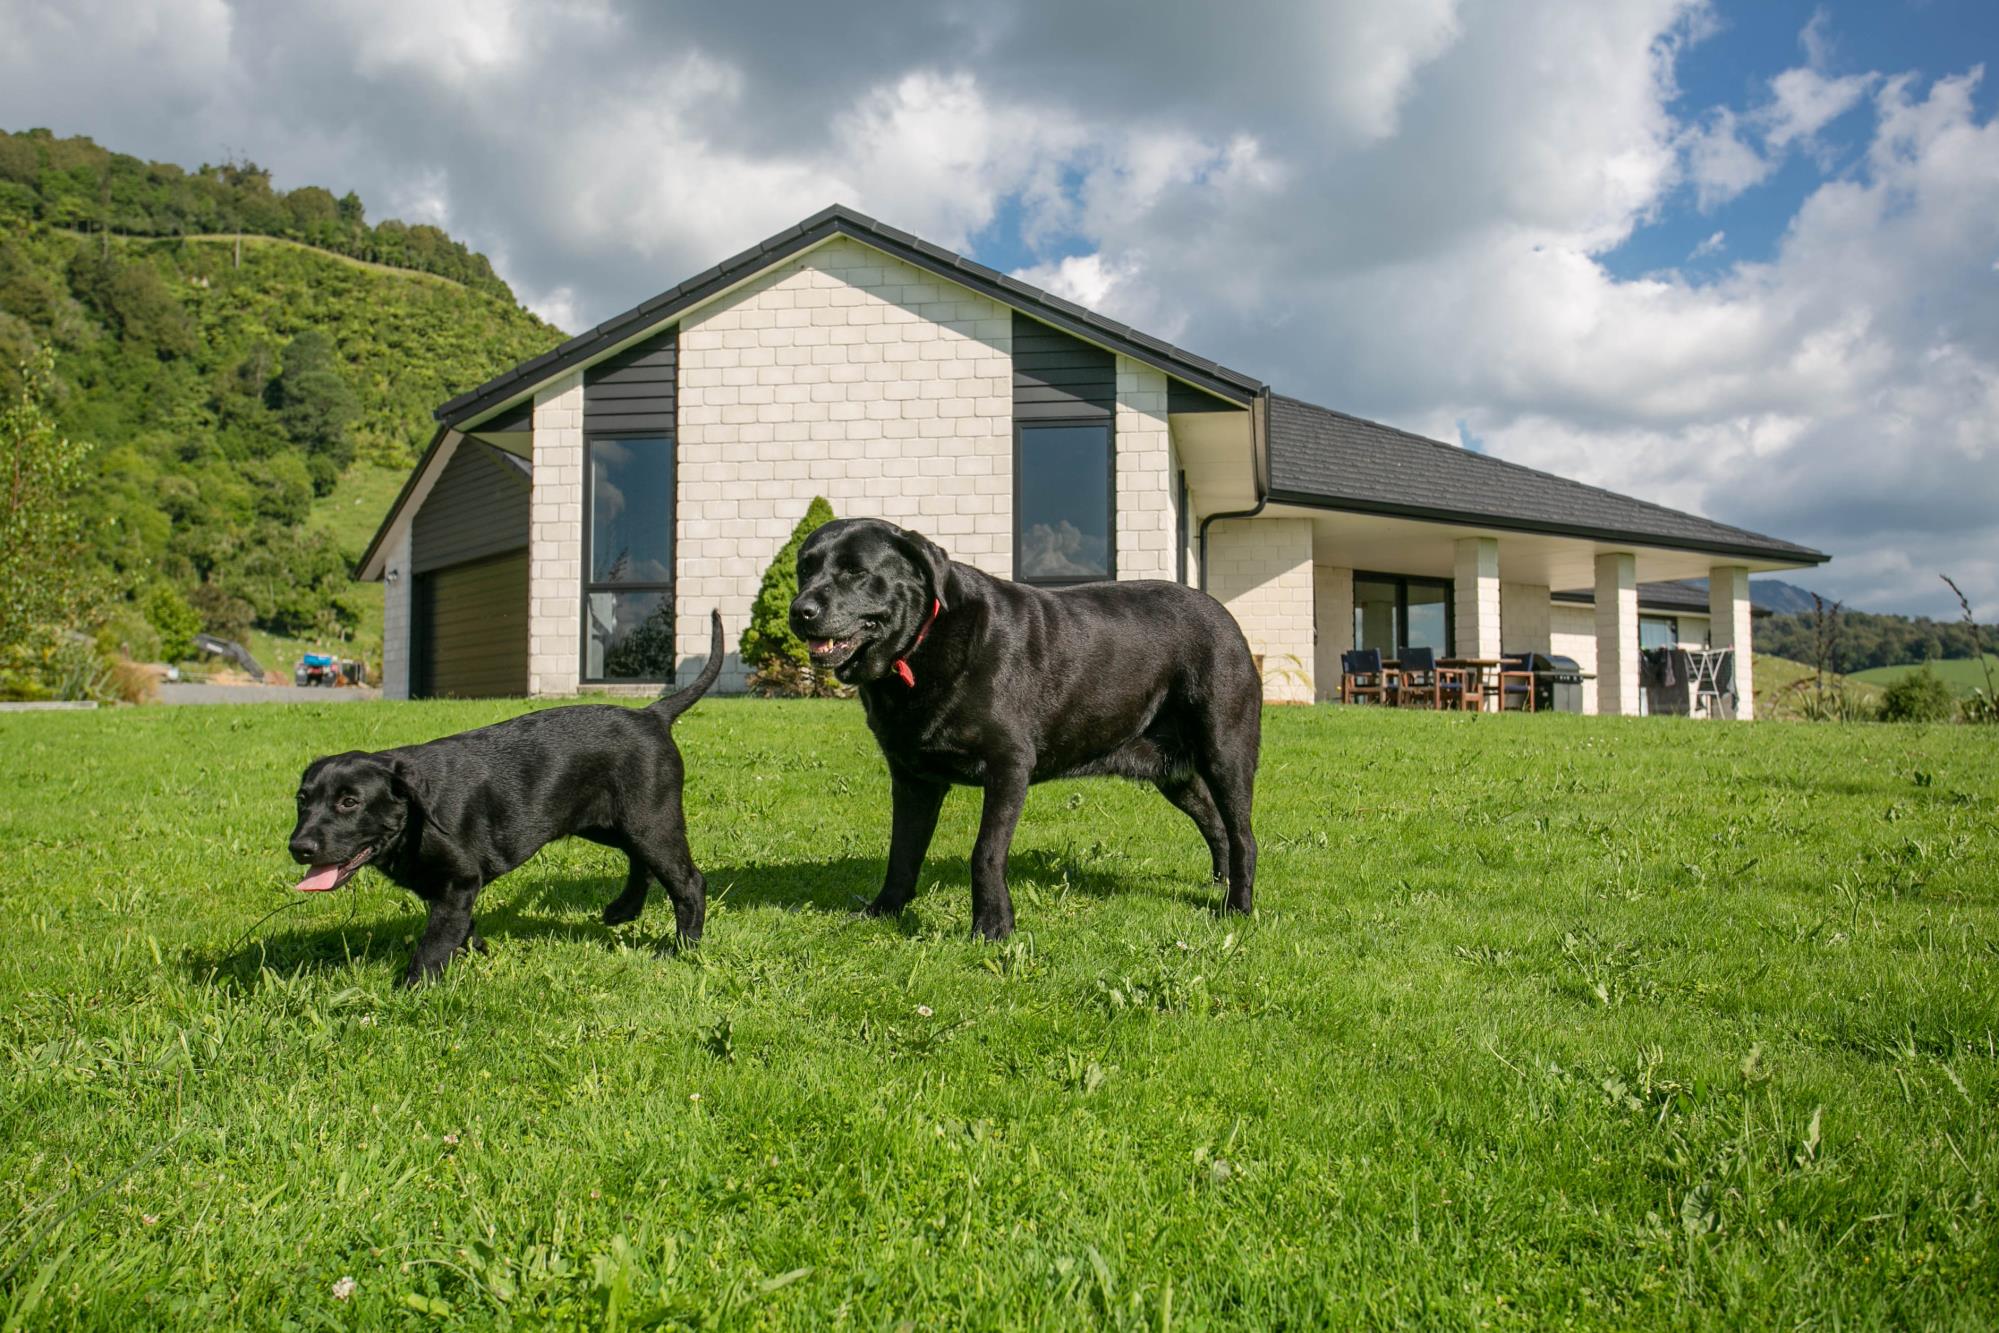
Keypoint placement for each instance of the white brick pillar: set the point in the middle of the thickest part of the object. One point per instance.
(1729, 627)
(1524, 618)
(1332, 615)
(555, 540)
(396, 581)
(1476, 597)
(1617, 633)
(1145, 535)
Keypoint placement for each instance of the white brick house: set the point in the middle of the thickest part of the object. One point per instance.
(574, 519)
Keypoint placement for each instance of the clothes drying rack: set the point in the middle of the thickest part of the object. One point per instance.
(1704, 675)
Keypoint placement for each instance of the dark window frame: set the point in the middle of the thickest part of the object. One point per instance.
(1402, 583)
(588, 585)
(1108, 422)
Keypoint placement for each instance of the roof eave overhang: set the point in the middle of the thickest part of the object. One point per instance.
(369, 567)
(466, 410)
(1798, 557)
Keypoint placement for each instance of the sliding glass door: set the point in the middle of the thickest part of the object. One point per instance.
(1396, 611)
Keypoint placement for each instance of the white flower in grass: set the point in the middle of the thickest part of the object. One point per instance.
(343, 1289)
(923, 1011)
(451, 1139)
(150, 1219)
(693, 1096)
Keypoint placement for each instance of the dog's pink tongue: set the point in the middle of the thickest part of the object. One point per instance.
(320, 878)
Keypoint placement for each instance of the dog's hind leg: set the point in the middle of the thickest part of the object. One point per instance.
(1191, 796)
(1231, 777)
(627, 905)
(667, 855)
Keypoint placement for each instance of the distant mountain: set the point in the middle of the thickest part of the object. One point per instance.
(235, 387)
(1777, 595)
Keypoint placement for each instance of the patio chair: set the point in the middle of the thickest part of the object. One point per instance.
(1421, 681)
(1515, 681)
(1362, 676)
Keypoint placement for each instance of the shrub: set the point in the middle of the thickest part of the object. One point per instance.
(222, 612)
(1920, 696)
(176, 622)
(778, 662)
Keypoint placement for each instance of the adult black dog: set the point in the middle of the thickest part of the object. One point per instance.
(971, 679)
(446, 818)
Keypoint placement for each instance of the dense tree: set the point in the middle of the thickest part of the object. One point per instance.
(75, 183)
(1868, 640)
(46, 590)
(316, 407)
(219, 400)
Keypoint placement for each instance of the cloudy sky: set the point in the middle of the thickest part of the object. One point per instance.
(1737, 256)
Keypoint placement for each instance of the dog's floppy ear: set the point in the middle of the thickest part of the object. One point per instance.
(929, 557)
(404, 780)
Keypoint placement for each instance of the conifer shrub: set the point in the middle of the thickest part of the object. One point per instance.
(778, 662)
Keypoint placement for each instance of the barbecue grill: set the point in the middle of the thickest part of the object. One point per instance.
(1558, 682)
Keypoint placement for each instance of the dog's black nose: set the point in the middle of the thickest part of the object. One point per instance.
(305, 851)
(805, 612)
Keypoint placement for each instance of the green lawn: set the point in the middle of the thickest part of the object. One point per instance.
(1542, 1021)
(1963, 674)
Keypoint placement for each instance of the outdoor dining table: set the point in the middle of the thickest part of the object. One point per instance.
(1475, 669)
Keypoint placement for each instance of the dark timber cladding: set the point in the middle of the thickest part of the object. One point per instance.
(1060, 378)
(469, 630)
(634, 390)
(478, 507)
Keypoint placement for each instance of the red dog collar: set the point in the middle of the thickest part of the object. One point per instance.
(901, 664)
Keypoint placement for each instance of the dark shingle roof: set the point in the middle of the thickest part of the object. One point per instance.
(1327, 459)
(843, 221)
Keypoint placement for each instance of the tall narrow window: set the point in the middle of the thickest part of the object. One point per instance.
(628, 583)
(1658, 631)
(1063, 519)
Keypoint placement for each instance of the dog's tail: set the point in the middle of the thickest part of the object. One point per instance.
(673, 705)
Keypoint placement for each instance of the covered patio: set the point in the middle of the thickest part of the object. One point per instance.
(1416, 544)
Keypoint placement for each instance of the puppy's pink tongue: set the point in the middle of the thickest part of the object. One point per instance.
(320, 878)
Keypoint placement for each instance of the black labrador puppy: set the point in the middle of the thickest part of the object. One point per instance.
(446, 818)
(971, 679)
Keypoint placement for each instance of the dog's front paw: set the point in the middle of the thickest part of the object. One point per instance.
(620, 910)
(421, 972)
(993, 926)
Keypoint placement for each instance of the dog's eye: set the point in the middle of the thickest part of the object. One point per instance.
(348, 803)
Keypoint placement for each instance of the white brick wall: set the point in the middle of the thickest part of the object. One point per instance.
(396, 617)
(1332, 594)
(1572, 633)
(555, 540)
(1261, 570)
(848, 374)
(1145, 529)
(1524, 624)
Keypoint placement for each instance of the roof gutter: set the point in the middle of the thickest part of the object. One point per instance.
(1259, 454)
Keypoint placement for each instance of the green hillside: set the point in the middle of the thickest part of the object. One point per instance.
(250, 407)
(1963, 675)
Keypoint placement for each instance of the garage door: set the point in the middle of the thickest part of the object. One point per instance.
(470, 632)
